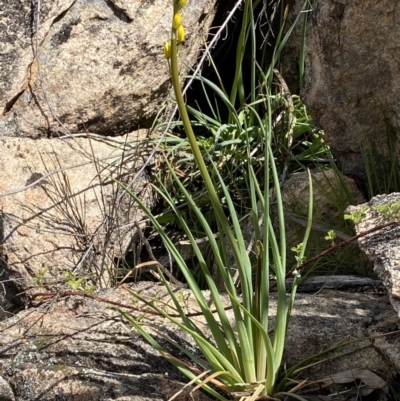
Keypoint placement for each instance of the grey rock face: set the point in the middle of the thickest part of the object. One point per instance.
(62, 209)
(6, 393)
(383, 246)
(353, 77)
(89, 65)
(81, 349)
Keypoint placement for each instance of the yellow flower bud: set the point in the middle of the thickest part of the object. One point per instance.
(177, 22)
(180, 34)
(167, 50)
(181, 3)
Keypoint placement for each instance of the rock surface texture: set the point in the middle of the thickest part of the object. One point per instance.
(80, 349)
(382, 246)
(89, 65)
(72, 216)
(330, 189)
(81, 71)
(353, 77)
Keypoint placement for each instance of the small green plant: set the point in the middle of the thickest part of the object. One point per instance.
(299, 253)
(39, 279)
(330, 236)
(78, 284)
(239, 357)
(74, 282)
(357, 215)
(391, 210)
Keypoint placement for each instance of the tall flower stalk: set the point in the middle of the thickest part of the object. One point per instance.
(177, 28)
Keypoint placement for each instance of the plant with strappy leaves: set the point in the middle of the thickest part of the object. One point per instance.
(240, 357)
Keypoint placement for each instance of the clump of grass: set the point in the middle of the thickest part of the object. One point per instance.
(240, 356)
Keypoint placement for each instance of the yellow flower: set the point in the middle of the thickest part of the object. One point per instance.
(167, 50)
(177, 22)
(180, 34)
